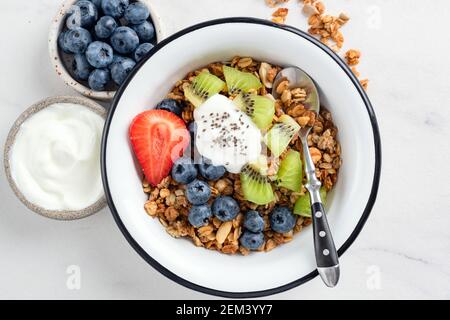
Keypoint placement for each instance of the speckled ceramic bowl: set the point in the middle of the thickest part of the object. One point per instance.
(54, 214)
(59, 61)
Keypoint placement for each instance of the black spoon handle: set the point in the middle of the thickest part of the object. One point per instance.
(326, 254)
(325, 250)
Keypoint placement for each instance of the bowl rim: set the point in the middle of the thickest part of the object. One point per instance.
(11, 138)
(55, 29)
(370, 202)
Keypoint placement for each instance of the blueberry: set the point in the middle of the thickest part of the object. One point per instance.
(170, 105)
(209, 171)
(62, 42)
(225, 208)
(251, 240)
(97, 3)
(98, 79)
(145, 31)
(105, 27)
(142, 50)
(124, 40)
(81, 67)
(77, 40)
(184, 171)
(73, 19)
(282, 220)
(198, 192)
(82, 14)
(114, 8)
(136, 13)
(116, 58)
(99, 54)
(199, 215)
(253, 222)
(121, 69)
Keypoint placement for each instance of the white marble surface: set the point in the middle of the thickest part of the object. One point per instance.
(404, 249)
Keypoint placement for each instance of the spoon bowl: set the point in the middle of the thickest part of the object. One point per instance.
(299, 79)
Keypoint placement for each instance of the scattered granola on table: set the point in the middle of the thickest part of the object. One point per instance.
(325, 27)
(280, 15)
(274, 3)
(250, 226)
(352, 57)
(364, 83)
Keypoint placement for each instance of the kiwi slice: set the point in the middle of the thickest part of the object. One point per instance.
(260, 109)
(256, 186)
(239, 81)
(290, 173)
(281, 134)
(204, 86)
(302, 206)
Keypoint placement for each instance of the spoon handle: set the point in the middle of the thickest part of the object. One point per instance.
(325, 250)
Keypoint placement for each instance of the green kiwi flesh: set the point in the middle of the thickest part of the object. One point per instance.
(256, 187)
(260, 109)
(204, 86)
(290, 173)
(281, 134)
(239, 81)
(302, 206)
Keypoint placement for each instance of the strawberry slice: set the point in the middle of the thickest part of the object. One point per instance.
(158, 138)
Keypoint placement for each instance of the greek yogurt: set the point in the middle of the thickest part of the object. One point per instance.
(55, 159)
(226, 135)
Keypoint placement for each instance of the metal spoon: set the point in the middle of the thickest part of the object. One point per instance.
(325, 250)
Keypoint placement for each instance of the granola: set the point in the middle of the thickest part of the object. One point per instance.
(280, 15)
(167, 201)
(352, 57)
(274, 3)
(327, 28)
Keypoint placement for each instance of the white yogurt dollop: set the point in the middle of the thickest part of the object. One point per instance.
(55, 159)
(226, 135)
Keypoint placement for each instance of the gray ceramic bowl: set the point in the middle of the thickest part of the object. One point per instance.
(59, 62)
(54, 214)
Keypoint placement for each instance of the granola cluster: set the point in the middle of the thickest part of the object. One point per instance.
(352, 57)
(280, 15)
(167, 202)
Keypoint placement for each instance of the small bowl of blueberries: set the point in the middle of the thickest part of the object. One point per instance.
(94, 44)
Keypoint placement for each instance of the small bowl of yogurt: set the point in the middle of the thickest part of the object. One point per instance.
(52, 157)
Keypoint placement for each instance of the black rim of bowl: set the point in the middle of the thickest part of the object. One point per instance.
(370, 202)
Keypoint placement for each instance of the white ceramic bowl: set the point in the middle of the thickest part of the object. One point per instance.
(57, 59)
(349, 204)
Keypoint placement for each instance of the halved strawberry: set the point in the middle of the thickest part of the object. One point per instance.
(158, 138)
